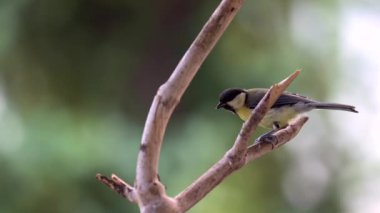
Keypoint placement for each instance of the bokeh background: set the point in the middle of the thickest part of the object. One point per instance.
(77, 78)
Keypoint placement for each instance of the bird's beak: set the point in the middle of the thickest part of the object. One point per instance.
(220, 105)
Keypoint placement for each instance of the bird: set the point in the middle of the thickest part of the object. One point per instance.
(288, 106)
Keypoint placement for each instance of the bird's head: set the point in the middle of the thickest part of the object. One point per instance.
(232, 99)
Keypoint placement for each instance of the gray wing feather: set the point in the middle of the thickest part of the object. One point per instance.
(286, 98)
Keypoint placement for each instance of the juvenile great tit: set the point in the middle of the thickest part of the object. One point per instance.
(242, 101)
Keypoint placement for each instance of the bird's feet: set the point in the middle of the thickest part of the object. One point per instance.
(267, 138)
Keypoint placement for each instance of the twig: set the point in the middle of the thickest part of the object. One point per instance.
(119, 186)
(236, 157)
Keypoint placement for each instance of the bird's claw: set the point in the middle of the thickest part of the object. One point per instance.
(268, 139)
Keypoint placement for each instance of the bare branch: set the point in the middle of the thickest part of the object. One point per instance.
(235, 158)
(119, 186)
(149, 193)
(168, 96)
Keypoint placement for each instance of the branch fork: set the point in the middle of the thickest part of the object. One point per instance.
(148, 192)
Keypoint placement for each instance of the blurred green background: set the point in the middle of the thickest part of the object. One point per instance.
(77, 78)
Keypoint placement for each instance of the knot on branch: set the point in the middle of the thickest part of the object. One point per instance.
(236, 159)
(166, 96)
(151, 190)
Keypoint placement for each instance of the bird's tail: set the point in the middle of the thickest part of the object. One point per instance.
(334, 106)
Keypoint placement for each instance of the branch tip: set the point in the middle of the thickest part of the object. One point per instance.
(290, 79)
(119, 186)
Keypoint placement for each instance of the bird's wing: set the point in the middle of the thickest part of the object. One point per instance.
(286, 98)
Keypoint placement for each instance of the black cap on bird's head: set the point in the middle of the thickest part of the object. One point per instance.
(227, 96)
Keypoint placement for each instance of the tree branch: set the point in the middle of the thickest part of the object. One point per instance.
(148, 192)
(148, 186)
(237, 156)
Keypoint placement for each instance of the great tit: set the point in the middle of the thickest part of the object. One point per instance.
(242, 101)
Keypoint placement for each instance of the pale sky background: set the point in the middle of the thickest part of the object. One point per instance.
(361, 48)
(359, 85)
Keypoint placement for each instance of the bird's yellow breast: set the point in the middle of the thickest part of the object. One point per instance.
(281, 115)
(243, 113)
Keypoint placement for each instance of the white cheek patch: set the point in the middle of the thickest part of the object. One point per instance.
(238, 101)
